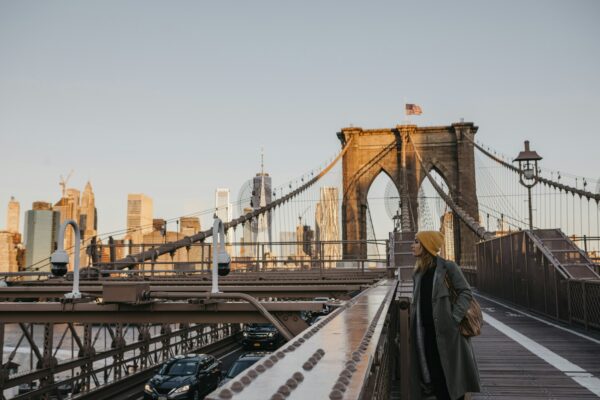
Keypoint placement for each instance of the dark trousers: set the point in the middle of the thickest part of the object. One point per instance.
(438, 379)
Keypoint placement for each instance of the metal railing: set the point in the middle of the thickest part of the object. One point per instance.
(91, 363)
(519, 268)
(197, 258)
(584, 302)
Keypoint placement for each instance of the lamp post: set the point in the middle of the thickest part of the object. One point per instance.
(60, 259)
(220, 259)
(528, 165)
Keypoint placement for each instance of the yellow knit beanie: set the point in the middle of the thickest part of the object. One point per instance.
(431, 240)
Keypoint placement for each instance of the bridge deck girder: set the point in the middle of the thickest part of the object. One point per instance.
(157, 312)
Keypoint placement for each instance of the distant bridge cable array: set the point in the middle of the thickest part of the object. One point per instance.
(134, 259)
(575, 210)
(554, 184)
(469, 220)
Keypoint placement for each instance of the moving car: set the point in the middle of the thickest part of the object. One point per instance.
(185, 377)
(260, 336)
(242, 363)
(326, 307)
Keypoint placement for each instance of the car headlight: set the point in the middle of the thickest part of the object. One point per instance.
(245, 334)
(148, 389)
(271, 334)
(180, 390)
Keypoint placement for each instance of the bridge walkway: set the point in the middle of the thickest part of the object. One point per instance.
(523, 356)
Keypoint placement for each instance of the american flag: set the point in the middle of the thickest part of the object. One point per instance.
(413, 109)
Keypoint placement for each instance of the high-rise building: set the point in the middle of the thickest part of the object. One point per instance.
(224, 210)
(261, 196)
(139, 217)
(160, 235)
(41, 233)
(304, 237)
(12, 216)
(447, 223)
(189, 226)
(327, 227)
(248, 249)
(9, 251)
(68, 207)
(88, 219)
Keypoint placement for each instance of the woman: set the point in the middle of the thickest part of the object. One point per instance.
(442, 360)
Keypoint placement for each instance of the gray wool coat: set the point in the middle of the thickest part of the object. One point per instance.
(456, 352)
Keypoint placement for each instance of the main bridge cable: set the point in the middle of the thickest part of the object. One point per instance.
(134, 259)
(469, 221)
(549, 182)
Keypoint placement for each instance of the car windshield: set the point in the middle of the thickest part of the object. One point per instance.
(239, 366)
(182, 367)
(261, 325)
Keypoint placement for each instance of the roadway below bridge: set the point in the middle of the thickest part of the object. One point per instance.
(227, 358)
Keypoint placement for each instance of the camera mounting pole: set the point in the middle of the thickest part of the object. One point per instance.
(220, 258)
(60, 259)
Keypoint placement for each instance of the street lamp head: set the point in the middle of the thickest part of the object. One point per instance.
(527, 155)
(527, 160)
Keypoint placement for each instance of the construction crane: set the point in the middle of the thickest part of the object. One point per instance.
(63, 183)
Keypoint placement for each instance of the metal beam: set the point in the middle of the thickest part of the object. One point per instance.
(169, 312)
(288, 291)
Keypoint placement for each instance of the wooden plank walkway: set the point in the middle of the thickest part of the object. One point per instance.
(509, 370)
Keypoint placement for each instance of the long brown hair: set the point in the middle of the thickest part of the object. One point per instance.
(424, 261)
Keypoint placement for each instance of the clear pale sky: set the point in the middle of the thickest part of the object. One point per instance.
(176, 98)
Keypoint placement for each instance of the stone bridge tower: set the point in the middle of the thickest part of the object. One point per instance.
(444, 149)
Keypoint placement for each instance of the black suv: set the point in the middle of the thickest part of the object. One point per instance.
(185, 377)
(242, 363)
(260, 336)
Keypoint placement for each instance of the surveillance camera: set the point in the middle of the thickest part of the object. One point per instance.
(223, 263)
(59, 260)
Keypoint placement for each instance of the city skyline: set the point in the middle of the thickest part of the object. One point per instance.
(149, 101)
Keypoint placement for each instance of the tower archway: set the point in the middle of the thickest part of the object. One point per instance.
(444, 149)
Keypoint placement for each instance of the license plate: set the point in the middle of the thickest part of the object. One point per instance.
(256, 344)
(162, 397)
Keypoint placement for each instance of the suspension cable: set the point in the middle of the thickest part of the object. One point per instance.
(556, 185)
(468, 220)
(134, 259)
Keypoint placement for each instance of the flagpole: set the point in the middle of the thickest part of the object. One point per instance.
(406, 119)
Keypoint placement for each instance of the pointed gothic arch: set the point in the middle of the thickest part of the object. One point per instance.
(443, 148)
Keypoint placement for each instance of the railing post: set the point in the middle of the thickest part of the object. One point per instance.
(569, 301)
(404, 347)
(526, 244)
(512, 268)
(544, 263)
(585, 311)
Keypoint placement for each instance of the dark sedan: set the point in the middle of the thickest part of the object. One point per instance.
(185, 377)
(261, 336)
(244, 362)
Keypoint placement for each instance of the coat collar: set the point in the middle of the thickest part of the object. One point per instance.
(438, 277)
